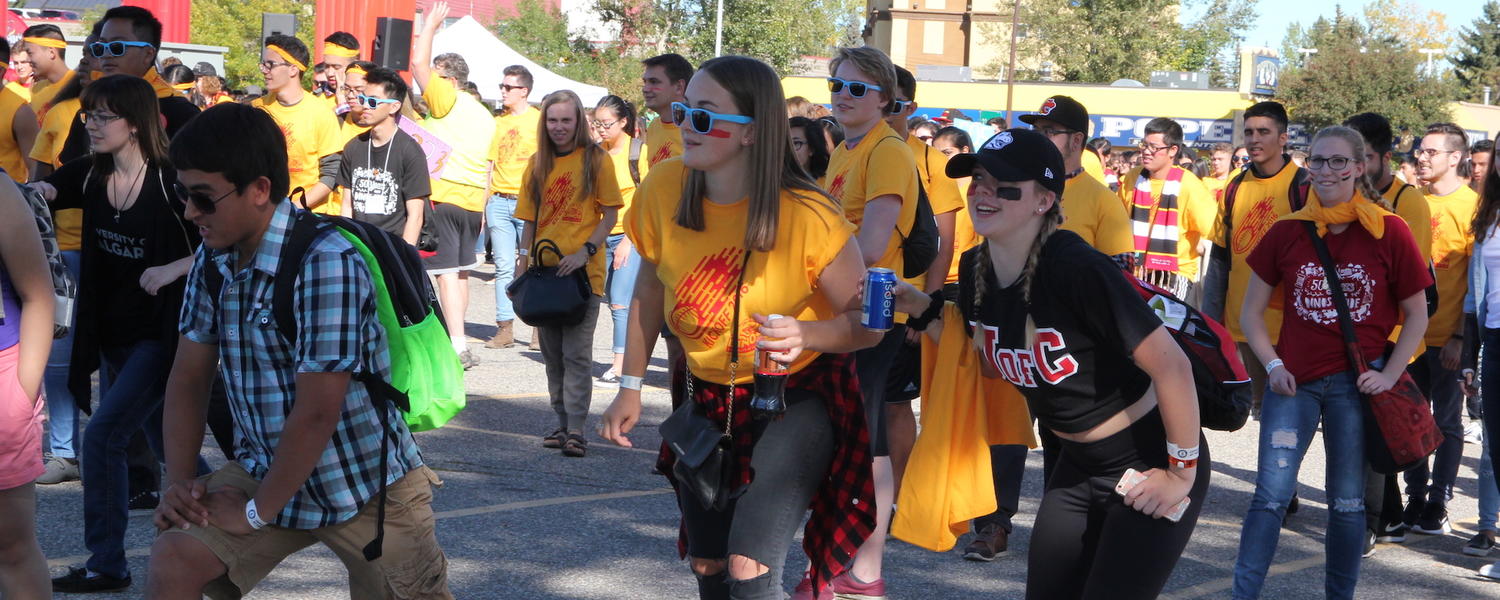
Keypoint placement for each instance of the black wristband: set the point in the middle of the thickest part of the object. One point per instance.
(591, 248)
(934, 310)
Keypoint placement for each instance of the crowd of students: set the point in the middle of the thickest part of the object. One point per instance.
(737, 225)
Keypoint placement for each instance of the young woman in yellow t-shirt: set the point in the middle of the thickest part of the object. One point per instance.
(614, 123)
(733, 233)
(568, 196)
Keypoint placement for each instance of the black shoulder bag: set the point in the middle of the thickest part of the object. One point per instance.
(542, 297)
(705, 452)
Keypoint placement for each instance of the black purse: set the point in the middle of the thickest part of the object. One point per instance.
(541, 297)
(704, 469)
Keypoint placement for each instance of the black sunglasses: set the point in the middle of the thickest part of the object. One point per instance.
(114, 49)
(856, 88)
(199, 200)
(702, 120)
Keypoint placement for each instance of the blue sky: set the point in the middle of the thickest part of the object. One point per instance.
(1276, 15)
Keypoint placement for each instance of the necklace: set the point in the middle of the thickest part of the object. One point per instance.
(122, 198)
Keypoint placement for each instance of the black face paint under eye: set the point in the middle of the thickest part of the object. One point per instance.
(1008, 193)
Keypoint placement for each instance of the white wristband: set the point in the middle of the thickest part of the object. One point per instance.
(252, 516)
(523, 252)
(1271, 366)
(631, 382)
(1182, 453)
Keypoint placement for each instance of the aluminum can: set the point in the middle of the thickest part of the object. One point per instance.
(880, 300)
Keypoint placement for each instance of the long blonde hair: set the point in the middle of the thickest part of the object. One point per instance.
(1364, 184)
(756, 91)
(546, 154)
(983, 268)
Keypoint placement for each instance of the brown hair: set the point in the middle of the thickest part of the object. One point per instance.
(772, 169)
(546, 155)
(874, 64)
(134, 100)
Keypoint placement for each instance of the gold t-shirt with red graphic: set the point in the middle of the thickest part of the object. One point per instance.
(1258, 203)
(515, 141)
(1451, 246)
(879, 165)
(699, 269)
(621, 162)
(663, 141)
(567, 218)
(312, 132)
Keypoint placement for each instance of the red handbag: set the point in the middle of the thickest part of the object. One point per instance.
(1399, 429)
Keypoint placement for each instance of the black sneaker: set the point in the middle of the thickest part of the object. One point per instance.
(1392, 533)
(143, 503)
(1480, 544)
(1413, 511)
(1369, 543)
(77, 581)
(1434, 520)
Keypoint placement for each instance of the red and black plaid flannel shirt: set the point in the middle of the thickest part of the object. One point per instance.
(843, 509)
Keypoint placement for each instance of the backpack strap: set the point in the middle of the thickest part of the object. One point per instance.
(1229, 193)
(306, 228)
(1299, 190)
(636, 144)
(1397, 201)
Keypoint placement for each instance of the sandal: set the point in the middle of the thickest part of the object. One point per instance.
(555, 439)
(576, 446)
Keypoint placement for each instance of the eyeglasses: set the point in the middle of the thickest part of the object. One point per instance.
(856, 88)
(1147, 148)
(372, 102)
(597, 124)
(505, 87)
(113, 49)
(1336, 163)
(898, 106)
(1049, 132)
(199, 200)
(1431, 152)
(702, 120)
(98, 119)
(268, 65)
(1243, 158)
(926, 139)
(798, 145)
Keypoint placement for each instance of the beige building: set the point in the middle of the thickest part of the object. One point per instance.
(942, 33)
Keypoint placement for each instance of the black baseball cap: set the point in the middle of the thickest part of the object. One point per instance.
(1062, 110)
(1015, 155)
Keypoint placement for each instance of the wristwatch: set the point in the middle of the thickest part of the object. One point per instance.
(591, 248)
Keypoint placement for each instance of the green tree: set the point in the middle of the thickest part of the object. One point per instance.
(1210, 42)
(1478, 62)
(776, 31)
(540, 33)
(235, 24)
(1356, 70)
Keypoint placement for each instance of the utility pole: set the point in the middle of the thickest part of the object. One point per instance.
(719, 29)
(1010, 74)
(1430, 52)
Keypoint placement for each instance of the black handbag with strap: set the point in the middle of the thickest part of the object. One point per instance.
(541, 296)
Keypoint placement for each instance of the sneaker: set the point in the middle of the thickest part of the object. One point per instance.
(59, 470)
(1480, 544)
(803, 591)
(1413, 512)
(1491, 571)
(144, 503)
(468, 360)
(989, 542)
(79, 581)
(1434, 520)
(608, 380)
(1369, 543)
(846, 587)
(1392, 533)
(1474, 432)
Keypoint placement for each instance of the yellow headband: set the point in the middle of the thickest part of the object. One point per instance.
(182, 86)
(4, 66)
(331, 49)
(286, 55)
(356, 70)
(47, 42)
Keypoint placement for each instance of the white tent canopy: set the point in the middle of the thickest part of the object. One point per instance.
(488, 56)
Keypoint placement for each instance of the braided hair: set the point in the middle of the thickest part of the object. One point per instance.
(983, 268)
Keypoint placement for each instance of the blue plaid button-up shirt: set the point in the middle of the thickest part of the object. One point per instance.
(337, 332)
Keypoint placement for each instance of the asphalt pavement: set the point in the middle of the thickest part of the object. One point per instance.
(521, 522)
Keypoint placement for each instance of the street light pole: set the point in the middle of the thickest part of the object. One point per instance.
(1010, 75)
(719, 29)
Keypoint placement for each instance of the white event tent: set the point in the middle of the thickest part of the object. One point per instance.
(488, 56)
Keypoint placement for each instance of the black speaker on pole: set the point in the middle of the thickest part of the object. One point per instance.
(277, 24)
(392, 47)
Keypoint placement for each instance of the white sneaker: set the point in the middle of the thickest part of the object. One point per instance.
(1491, 570)
(1474, 432)
(608, 380)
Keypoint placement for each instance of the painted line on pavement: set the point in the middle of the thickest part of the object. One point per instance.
(595, 443)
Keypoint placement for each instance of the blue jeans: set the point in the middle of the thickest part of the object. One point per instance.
(1287, 425)
(621, 286)
(131, 403)
(1435, 485)
(62, 413)
(1489, 493)
(505, 234)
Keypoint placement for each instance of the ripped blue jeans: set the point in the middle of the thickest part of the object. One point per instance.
(1287, 426)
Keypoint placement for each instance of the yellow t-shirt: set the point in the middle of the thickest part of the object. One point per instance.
(1215, 186)
(48, 147)
(43, 92)
(621, 162)
(12, 156)
(849, 180)
(1094, 213)
(663, 141)
(1196, 213)
(1451, 246)
(1258, 204)
(963, 233)
(567, 219)
(513, 144)
(21, 90)
(1093, 167)
(1412, 207)
(348, 129)
(312, 132)
(467, 127)
(698, 269)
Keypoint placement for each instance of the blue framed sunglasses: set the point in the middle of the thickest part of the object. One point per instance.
(702, 120)
(114, 49)
(372, 102)
(856, 88)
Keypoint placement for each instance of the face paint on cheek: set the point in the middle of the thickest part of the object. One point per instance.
(1346, 175)
(717, 133)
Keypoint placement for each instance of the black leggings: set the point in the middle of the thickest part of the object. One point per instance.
(1087, 543)
(790, 462)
